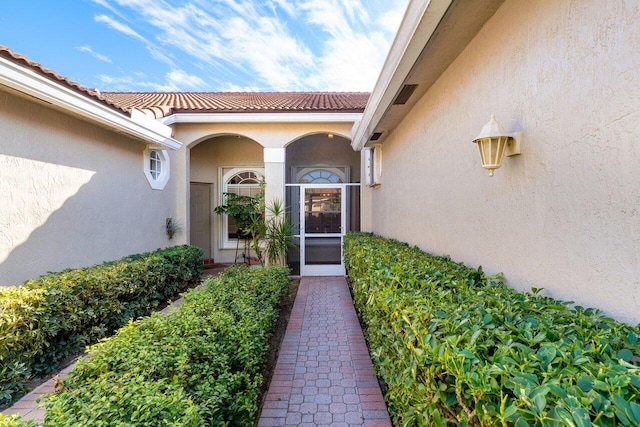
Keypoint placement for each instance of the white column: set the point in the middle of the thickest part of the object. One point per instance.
(274, 174)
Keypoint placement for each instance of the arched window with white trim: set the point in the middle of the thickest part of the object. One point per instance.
(244, 182)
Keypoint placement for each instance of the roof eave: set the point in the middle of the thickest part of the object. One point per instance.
(27, 82)
(420, 21)
(266, 117)
(430, 37)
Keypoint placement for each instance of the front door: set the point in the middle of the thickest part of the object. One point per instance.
(323, 220)
(200, 220)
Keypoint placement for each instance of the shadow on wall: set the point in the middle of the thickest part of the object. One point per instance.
(71, 193)
(81, 222)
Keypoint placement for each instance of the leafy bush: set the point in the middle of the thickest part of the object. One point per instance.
(58, 314)
(198, 365)
(458, 348)
(15, 421)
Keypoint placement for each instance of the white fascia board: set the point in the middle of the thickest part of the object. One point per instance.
(301, 117)
(418, 25)
(26, 81)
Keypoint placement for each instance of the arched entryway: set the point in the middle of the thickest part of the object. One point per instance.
(219, 164)
(323, 192)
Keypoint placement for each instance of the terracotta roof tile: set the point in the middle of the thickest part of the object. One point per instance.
(25, 62)
(242, 102)
(166, 103)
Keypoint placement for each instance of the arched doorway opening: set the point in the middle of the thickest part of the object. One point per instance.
(323, 192)
(219, 164)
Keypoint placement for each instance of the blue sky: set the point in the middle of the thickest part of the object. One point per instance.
(206, 45)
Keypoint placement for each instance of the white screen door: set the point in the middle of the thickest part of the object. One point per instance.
(322, 227)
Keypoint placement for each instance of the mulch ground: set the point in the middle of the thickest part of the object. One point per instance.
(286, 305)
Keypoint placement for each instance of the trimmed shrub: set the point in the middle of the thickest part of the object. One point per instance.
(58, 314)
(456, 347)
(15, 421)
(198, 365)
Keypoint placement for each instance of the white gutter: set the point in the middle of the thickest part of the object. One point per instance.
(28, 82)
(418, 25)
(299, 117)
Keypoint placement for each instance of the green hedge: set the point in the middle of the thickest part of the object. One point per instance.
(198, 365)
(58, 314)
(458, 348)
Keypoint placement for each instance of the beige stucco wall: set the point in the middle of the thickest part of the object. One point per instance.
(71, 194)
(270, 135)
(208, 146)
(206, 160)
(565, 215)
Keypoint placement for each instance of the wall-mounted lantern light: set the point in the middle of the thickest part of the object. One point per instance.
(493, 143)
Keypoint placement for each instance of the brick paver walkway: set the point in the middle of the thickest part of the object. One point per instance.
(324, 374)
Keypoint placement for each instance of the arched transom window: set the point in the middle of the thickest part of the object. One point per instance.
(320, 176)
(246, 179)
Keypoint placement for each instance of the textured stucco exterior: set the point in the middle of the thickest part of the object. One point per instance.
(71, 194)
(564, 215)
(207, 158)
(209, 146)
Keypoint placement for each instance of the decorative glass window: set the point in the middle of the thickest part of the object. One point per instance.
(156, 167)
(244, 182)
(155, 164)
(320, 176)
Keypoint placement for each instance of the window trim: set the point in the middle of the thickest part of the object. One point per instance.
(157, 179)
(225, 173)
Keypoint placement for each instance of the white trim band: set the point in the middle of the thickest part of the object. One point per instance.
(28, 82)
(301, 117)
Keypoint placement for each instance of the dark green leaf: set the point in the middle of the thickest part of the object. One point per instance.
(581, 417)
(625, 354)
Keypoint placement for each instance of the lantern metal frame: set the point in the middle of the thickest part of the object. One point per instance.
(494, 143)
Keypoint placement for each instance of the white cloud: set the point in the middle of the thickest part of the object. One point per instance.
(128, 83)
(270, 45)
(390, 20)
(125, 29)
(118, 26)
(174, 81)
(287, 6)
(99, 56)
(105, 4)
(182, 80)
(354, 51)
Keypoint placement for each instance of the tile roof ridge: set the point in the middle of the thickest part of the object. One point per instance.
(241, 92)
(47, 73)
